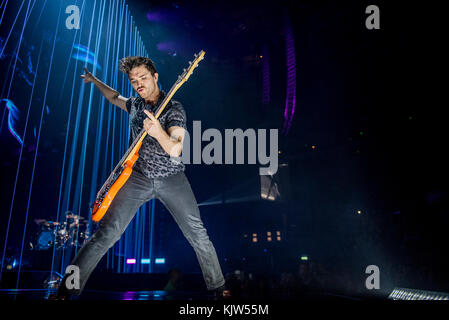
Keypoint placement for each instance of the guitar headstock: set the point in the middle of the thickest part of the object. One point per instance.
(192, 65)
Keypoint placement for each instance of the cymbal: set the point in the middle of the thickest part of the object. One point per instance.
(74, 216)
(43, 222)
(40, 221)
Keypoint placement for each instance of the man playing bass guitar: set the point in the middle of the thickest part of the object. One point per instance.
(155, 175)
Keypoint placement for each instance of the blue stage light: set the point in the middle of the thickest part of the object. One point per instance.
(86, 58)
(160, 260)
(13, 118)
(145, 261)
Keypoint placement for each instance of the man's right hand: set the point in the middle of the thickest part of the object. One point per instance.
(88, 77)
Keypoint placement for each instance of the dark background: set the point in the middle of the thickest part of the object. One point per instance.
(370, 101)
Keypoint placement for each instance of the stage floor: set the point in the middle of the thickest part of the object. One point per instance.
(156, 295)
(42, 294)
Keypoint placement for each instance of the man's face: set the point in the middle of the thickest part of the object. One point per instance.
(143, 82)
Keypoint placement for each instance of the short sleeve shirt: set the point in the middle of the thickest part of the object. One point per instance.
(153, 161)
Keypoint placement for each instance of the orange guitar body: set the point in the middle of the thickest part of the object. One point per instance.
(100, 208)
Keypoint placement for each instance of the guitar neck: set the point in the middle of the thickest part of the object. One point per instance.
(135, 146)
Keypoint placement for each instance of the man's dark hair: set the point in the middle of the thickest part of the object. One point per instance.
(126, 64)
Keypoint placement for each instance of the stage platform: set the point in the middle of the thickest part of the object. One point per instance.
(150, 287)
(159, 295)
(42, 294)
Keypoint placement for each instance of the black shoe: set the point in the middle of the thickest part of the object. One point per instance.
(222, 293)
(61, 294)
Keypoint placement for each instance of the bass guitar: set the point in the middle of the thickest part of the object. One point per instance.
(124, 168)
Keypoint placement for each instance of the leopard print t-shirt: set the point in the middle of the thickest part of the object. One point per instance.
(153, 161)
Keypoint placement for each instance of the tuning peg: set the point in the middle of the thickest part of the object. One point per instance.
(184, 69)
(195, 55)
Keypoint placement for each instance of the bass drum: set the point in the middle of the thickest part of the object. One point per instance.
(45, 240)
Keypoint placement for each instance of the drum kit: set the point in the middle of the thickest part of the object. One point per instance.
(70, 233)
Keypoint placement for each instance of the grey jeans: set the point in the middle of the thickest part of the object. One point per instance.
(177, 196)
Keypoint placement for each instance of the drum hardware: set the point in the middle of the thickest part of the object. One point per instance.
(71, 232)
